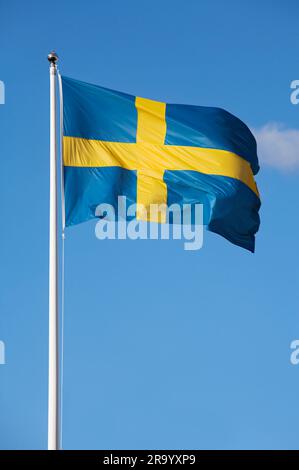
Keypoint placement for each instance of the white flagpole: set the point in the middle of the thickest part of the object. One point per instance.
(53, 405)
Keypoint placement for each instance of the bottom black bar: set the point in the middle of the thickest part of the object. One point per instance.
(137, 458)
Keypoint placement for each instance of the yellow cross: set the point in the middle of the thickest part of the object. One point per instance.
(151, 129)
(150, 157)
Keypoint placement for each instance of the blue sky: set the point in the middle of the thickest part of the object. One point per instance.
(164, 348)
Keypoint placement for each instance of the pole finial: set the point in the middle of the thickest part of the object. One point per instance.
(53, 58)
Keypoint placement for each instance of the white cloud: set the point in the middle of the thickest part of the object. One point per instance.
(278, 146)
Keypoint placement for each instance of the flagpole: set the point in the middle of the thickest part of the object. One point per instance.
(53, 405)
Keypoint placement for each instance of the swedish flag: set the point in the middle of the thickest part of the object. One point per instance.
(152, 152)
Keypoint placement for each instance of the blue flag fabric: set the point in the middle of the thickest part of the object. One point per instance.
(152, 152)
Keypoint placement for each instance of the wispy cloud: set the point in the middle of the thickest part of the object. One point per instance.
(278, 146)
